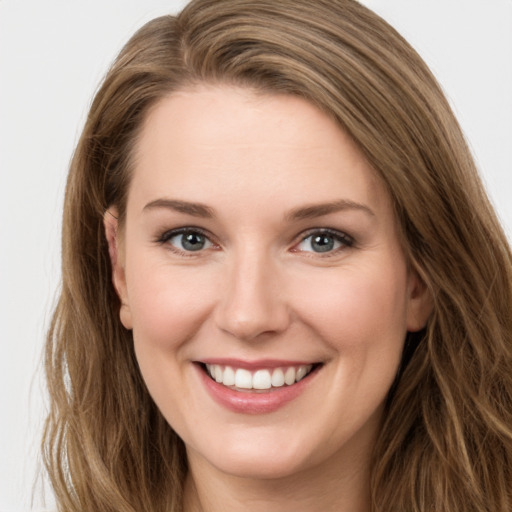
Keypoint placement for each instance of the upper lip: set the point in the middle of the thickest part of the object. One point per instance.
(256, 364)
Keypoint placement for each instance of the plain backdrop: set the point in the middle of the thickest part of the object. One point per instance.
(53, 54)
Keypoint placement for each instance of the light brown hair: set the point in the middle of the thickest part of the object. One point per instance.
(446, 439)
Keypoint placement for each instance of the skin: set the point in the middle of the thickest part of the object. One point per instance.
(259, 289)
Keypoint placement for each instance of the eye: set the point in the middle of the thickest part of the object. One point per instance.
(324, 241)
(186, 240)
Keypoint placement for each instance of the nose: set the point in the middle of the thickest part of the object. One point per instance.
(252, 302)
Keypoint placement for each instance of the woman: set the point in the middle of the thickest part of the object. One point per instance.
(283, 284)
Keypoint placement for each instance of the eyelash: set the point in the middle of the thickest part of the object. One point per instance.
(343, 239)
(164, 238)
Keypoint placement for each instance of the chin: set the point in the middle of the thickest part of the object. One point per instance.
(266, 467)
(263, 456)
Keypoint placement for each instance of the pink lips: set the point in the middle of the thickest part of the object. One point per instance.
(250, 402)
(254, 365)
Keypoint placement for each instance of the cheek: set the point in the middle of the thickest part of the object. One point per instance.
(168, 304)
(359, 309)
(168, 307)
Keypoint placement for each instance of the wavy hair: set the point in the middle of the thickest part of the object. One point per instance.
(446, 438)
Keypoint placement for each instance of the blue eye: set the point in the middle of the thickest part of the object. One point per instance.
(187, 240)
(324, 242)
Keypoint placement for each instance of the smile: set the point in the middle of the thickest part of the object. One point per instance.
(261, 379)
(256, 387)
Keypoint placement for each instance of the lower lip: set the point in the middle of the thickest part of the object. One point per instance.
(245, 402)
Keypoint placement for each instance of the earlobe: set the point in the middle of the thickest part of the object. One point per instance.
(420, 304)
(115, 251)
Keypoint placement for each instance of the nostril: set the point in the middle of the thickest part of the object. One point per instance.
(250, 309)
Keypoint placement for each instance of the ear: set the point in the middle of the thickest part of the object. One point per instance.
(117, 260)
(420, 303)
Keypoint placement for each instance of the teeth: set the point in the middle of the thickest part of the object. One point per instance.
(243, 379)
(260, 379)
(289, 376)
(301, 373)
(277, 378)
(229, 376)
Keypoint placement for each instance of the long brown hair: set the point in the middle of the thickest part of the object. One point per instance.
(446, 439)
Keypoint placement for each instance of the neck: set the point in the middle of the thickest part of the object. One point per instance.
(329, 487)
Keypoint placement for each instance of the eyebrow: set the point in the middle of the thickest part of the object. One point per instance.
(317, 210)
(301, 213)
(194, 209)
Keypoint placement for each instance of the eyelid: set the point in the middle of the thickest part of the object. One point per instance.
(169, 233)
(166, 235)
(346, 240)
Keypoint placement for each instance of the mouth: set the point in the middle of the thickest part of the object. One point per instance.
(259, 380)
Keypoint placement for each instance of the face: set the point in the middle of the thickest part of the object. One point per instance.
(260, 270)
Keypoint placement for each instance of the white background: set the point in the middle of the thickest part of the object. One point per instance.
(53, 54)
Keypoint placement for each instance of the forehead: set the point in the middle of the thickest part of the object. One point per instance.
(222, 142)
